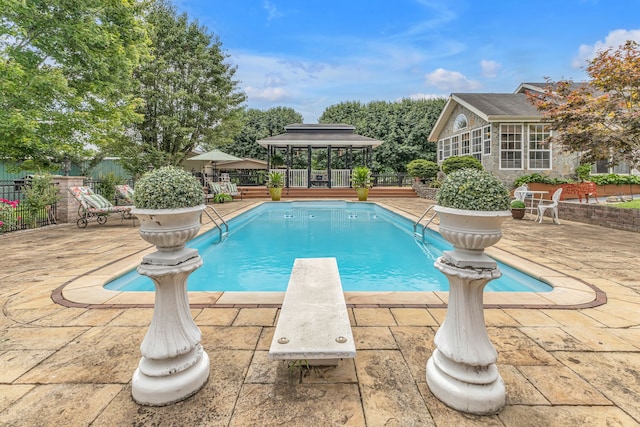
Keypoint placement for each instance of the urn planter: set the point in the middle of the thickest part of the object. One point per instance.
(174, 365)
(461, 371)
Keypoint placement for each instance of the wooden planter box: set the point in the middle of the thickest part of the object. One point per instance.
(571, 192)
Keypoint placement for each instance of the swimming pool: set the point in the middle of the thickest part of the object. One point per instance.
(375, 248)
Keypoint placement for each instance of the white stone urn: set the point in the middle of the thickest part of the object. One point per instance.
(461, 371)
(470, 232)
(174, 365)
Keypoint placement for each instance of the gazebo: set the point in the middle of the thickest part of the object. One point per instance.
(337, 141)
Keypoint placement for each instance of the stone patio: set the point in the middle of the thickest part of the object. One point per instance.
(565, 364)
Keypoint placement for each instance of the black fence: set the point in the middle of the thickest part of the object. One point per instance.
(379, 180)
(14, 214)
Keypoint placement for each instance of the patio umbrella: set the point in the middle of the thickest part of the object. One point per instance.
(246, 163)
(214, 156)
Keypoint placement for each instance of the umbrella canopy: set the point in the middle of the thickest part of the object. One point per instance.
(245, 163)
(213, 156)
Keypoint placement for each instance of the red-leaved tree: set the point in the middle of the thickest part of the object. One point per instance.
(600, 118)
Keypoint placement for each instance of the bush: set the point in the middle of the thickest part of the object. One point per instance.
(421, 168)
(536, 177)
(517, 204)
(107, 186)
(452, 164)
(474, 190)
(168, 187)
(615, 179)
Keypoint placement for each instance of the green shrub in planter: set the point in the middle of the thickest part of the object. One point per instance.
(517, 204)
(168, 187)
(452, 164)
(474, 190)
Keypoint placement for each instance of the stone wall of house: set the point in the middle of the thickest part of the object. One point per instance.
(603, 215)
(564, 162)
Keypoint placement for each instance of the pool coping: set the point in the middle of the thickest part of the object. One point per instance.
(569, 291)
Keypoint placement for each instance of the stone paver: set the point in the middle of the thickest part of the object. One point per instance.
(561, 367)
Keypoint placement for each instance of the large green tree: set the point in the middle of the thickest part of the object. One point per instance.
(601, 118)
(258, 124)
(190, 97)
(65, 76)
(404, 126)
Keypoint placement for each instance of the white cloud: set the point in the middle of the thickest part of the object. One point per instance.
(270, 94)
(419, 96)
(613, 40)
(489, 68)
(272, 11)
(451, 81)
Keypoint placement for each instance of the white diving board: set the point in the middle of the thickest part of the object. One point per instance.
(314, 324)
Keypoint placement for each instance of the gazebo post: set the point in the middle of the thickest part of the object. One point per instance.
(308, 166)
(329, 166)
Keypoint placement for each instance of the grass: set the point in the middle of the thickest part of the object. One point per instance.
(634, 204)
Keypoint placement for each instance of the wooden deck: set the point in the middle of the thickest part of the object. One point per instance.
(262, 192)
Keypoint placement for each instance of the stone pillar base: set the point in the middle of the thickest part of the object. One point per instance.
(165, 390)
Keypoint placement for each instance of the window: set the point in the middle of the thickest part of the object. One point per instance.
(447, 149)
(441, 150)
(510, 146)
(460, 122)
(539, 147)
(476, 144)
(455, 149)
(464, 140)
(486, 138)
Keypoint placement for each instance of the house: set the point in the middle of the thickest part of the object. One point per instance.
(502, 130)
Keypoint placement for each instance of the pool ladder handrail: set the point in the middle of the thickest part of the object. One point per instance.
(226, 226)
(424, 227)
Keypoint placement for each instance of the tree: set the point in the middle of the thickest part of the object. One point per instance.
(601, 118)
(258, 124)
(190, 97)
(65, 76)
(404, 126)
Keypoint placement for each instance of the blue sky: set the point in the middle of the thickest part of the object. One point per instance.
(309, 55)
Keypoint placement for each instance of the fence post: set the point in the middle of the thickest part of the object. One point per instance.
(67, 205)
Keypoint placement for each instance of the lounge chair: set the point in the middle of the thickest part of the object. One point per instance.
(232, 189)
(125, 193)
(93, 205)
(542, 207)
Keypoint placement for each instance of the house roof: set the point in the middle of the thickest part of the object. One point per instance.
(319, 135)
(492, 107)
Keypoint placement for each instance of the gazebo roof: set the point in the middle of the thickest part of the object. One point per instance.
(319, 135)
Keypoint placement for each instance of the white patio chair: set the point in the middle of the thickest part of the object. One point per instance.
(553, 205)
(520, 193)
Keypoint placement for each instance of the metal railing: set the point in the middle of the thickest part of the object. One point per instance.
(217, 214)
(20, 218)
(424, 226)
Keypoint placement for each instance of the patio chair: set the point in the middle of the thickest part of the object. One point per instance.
(125, 193)
(92, 205)
(232, 189)
(553, 205)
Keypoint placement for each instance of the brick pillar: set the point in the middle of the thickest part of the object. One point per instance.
(67, 204)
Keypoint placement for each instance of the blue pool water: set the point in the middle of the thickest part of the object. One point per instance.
(375, 248)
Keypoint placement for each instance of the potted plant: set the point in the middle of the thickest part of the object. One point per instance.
(174, 195)
(472, 204)
(275, 183)
(361, 180)
(222, 197)
(517, 209)
(169, 202)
